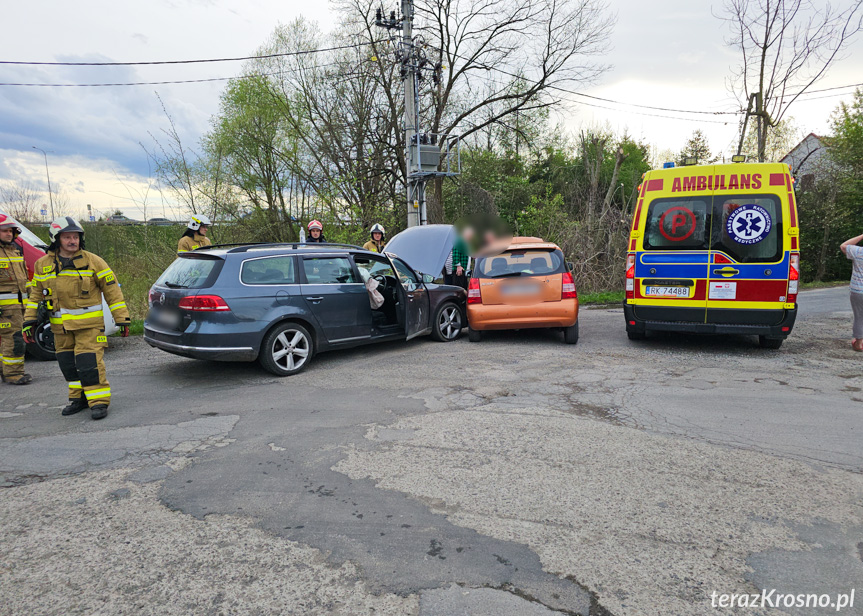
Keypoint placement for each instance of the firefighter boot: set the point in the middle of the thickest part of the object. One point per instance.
(100, 411)
(76, 405)
(20, 379)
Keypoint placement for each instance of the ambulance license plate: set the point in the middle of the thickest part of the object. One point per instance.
(667, 291)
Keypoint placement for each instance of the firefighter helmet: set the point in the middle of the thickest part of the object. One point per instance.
(64, 224)
(197, 221)
(377, 228)
(7, 222)
(316, 224)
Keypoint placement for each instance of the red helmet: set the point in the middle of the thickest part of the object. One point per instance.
(7, 222)
(316, 224)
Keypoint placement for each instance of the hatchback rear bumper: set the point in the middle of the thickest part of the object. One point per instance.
(160, 340)
(483, 317)
(746, 322)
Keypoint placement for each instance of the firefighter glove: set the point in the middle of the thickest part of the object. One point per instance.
(29, 331)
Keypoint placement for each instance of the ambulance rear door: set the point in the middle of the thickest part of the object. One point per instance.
(672, 263)
(749, 261)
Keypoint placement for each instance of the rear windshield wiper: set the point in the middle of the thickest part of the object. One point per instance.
(172, 285)
(507, 275)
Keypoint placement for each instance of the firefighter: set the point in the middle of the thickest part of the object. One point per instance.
(13, 289)
(72, 282)
(376, 244)
(195, 235)
(316, 232)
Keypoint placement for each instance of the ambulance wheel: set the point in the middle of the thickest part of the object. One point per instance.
(635, 335)
(570, 334)
(769, 343)
(43, 347)
(286, 350)
(473, 335)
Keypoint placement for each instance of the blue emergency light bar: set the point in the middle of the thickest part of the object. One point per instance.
(667, 165)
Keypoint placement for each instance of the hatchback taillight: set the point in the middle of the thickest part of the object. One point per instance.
(204, 303)
(630, 276)
(567, 287)
(473, 293)
(793, 278)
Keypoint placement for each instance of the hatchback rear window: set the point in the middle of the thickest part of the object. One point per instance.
(191, 273)
(520, 263)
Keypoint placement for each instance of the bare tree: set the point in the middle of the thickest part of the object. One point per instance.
(786, 46)
(20, 200)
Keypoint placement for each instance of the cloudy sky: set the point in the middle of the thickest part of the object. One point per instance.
(670, 57)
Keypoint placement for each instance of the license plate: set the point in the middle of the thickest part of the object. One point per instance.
(520, 289)
(667, 291)
(168, 319)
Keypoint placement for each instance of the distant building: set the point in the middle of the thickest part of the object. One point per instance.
(805, 159)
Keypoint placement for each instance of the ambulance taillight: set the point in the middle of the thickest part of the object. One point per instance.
(630, 276)
(793, 278)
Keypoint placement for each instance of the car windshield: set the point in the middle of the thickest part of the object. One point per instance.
(520, 263)
(190, 273)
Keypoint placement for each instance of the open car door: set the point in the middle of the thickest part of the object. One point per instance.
(415, 299)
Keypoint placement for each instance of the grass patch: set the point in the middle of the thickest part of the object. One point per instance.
(602, 297)
(823, 284)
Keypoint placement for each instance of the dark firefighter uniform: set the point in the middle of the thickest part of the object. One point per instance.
(13, 289)
(74, 292)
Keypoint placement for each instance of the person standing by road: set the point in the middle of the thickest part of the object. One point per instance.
(456, 263)
(855, 254)
(72, 281)
(195, 235)
(316, 233)
(376, 244)
(13, 289)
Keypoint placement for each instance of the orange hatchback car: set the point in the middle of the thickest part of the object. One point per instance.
(526, 284)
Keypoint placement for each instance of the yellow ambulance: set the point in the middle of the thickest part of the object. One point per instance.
(714, 249)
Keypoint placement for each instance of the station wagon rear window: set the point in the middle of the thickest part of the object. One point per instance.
(191, 272)
(678, 224)
(520, 263)
(270, 270)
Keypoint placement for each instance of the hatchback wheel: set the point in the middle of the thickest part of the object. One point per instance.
(570, 334)
(448, 323)
(286, 349)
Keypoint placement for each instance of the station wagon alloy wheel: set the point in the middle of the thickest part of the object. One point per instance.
(449, 323)
(286, 350)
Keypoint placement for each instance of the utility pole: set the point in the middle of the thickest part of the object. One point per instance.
(50, 197)
(414, 63)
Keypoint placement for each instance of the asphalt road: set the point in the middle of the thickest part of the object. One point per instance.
(518, 475)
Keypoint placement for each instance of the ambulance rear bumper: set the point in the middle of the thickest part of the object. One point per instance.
(770, 323)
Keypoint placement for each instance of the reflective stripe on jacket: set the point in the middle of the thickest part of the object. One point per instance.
(75, 294)
(13, 271)
(187, 243)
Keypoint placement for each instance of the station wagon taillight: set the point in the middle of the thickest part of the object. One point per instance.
(630, 276)
(793, 278)
(204, 303)
(473, 293)
(567, 287)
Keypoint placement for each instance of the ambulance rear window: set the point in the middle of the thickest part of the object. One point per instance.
(748, 227)
(678, 224)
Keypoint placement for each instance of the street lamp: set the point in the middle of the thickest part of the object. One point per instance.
(50, 198)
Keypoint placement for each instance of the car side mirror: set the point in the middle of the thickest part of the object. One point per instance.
(428, 278)
(570, 266)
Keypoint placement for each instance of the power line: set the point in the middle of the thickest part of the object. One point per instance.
(264, 57)
(653, 115)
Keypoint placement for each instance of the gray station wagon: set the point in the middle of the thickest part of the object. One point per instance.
(281, 304)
